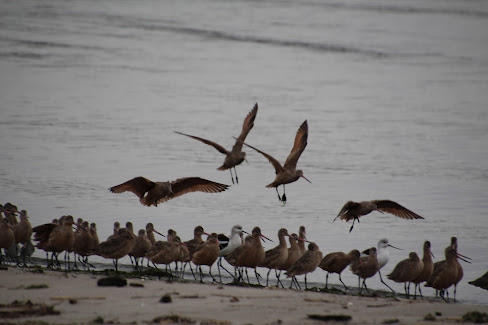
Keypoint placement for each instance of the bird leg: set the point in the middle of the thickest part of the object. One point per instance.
(283, 197)
(306, 281)
(235, 172)
(267, 277)
(353, 221)
(379, 272)
(327, 280)
(279, 197)
(278, 274)
(342, 282)
(257, 275)
(231, 176)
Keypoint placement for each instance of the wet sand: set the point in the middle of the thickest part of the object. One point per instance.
(80, 300)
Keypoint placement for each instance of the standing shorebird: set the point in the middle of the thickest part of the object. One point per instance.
(306, 263)
(159, 192)
(336, 263)
(293, 253)
(354, 210)
(253, 254)
(366, 268)
(288, 173)
(207, 255)
(383, 256)
(446, 273)
(426, 271)
(7, 237)
(236, 156)
(406, 271)
(275, 257)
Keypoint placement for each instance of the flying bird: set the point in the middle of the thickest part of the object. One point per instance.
(236, 156)
(154, 193)
(354, 210)
(288, 173)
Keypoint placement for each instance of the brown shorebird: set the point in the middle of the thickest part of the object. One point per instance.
(23, 230)
(481, 282)
(165, 252)
(7, 237)
(84, 243)
(293, 252)
(141, 247)
(116, 247)
(252, 255)
(406, 271)
(288, 173)
(41, 236)
(366, 268)
(306, 263)
(277, 256)
(354, 210)
(208, 253)
(446, 273)
(62, 238)
(302, 235)
(150, 233)
(236, 156)
(426, 271)
(460, 272)
(336, 262)
(159, 192)
(197, 241)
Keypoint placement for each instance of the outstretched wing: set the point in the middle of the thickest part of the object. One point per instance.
(210, 143)
(395, 209)
(138, 185)
(193, 184)
(298, 146)
(246, 127)
(276, 164)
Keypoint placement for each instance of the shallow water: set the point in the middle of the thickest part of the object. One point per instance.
(394, 93)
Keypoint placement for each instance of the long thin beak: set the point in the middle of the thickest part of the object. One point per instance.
(246, 232)
(307, 179)
(265, 237)
(469, 258)
(157, 232)
(400, 249)
(246, 160)
(462, 259)
(432, 254)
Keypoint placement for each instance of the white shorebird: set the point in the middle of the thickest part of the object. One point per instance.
(229, 244)
(383, 256)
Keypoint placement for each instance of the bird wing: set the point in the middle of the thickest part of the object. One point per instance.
(210, 143)
(246, 127)
(193, 184)
(348, 206)
(138, 185)
(276, 164)
(395, 209)
(298, 146)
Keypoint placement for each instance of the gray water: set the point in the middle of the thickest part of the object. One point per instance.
(394, 92)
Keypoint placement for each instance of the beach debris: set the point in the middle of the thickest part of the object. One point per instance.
(234, 299)
(328, 318)
(20, 309)
(37, 286)
(430, 317)
(77, 298)
(112, 281)
(173, 319)
(135, 284)
(391, 321)
(166, 299)
(475, 317)
(3, 268)
(98, 320)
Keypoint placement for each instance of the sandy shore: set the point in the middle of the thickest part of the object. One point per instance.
(79, 299)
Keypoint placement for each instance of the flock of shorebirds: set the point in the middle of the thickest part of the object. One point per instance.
(241, 253)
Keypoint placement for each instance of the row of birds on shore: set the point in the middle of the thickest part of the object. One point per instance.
(152, 193)
(240, 252)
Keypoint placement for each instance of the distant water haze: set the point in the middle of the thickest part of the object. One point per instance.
(394, 92)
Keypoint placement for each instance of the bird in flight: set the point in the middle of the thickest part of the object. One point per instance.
(236, 156)
(154, 193)
(354, 210)
(288, 173)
